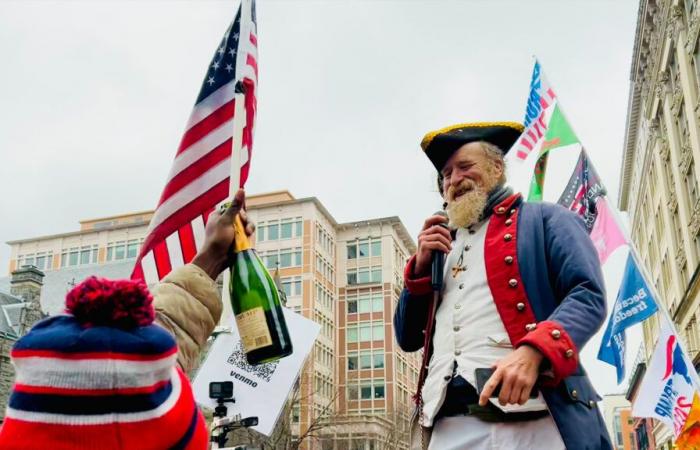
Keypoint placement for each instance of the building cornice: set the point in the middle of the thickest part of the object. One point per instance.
(75, 233)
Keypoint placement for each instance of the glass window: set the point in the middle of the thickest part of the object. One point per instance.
(295, 414)
(94, 255)
(85, 256)
(132, 249)
(73, 260)
(379, 390)
(365, 392)
(352, 362)
(352, 251)
(352, 334)
(119, 251)
(352, 306)
(41, 262)
(28, 261)
(363, 276)
(286, 258)
(366, 361)
(376, 274)
(273, 232)
(365, 333)
(352, 278)
(297, 257)
(272, 261)
(364, 305)
(378, 360)
(297, 228)
(377, 303)
(261, 233)
(376, 248)
(297, 287)
(363, 249)
(286, 230)
(64, 259)
(378, 332)
(352, 392)
(110, 253)
(287, 288)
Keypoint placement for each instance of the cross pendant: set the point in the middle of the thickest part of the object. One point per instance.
(456, 270)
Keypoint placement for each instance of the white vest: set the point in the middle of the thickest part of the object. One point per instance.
(468, 328)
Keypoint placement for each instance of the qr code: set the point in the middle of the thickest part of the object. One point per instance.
(263, 371)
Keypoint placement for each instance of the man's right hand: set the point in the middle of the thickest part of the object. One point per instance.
(434, 236)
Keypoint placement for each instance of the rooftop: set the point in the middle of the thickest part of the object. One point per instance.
(57, 283)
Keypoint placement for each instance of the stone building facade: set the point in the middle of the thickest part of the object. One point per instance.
(19, 311)
(660, 178)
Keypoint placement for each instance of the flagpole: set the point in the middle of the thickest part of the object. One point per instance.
(239, 123)
(655, 295)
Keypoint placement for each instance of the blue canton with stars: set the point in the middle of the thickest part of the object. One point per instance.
(222, 68)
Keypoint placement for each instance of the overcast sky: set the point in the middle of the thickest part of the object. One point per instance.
(94, 97)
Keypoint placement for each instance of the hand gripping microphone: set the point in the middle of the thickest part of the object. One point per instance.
(438, 264)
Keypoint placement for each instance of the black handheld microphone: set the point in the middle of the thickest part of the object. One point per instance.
(438, 264)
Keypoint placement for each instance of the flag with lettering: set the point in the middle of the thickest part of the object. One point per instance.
(634, 304)
(216, 144)
(667, 390)
(582, 191)
(540, 100)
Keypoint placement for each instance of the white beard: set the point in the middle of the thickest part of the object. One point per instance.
(467, 209)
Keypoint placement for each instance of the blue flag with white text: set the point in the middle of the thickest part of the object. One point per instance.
(634, 304)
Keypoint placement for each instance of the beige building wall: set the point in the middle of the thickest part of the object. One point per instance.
(302, 240)
(99, 241)
(660, 176)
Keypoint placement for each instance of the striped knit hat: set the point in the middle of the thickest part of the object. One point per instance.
(102, 376)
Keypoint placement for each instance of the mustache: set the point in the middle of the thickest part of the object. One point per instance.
(464, 186)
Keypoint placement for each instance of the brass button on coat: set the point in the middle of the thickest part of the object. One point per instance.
(530, 326)
(574, 393)
(556, 334)
(513, 282)
(509, 222)
(520, 306)
(507, 237)
(508, 260)
(500, 210)
(569, 353)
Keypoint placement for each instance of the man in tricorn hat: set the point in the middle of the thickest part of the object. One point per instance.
(522, 294)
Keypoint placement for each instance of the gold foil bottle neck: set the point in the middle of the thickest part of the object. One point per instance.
(241, 241)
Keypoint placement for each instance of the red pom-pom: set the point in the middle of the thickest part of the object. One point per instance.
(115, 303)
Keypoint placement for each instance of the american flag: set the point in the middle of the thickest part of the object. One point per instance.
(582, 191)
(215, 149)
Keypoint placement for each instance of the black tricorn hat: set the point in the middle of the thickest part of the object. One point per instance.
(440, 144)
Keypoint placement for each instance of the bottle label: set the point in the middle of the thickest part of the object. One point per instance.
(252, 327)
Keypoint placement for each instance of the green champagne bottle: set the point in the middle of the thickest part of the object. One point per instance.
(256, 304)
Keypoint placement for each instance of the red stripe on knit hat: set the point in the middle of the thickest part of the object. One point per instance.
(92, 355)
(28, 389)
(155, 434)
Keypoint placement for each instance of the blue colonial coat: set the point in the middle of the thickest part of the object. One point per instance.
(546, 281)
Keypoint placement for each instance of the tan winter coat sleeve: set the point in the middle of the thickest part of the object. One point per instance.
(188, 304)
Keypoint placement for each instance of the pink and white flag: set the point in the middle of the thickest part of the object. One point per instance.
(606, 234)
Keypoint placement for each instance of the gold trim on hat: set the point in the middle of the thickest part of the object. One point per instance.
(430, 136)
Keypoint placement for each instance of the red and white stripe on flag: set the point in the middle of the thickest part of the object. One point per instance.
(200, 174)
